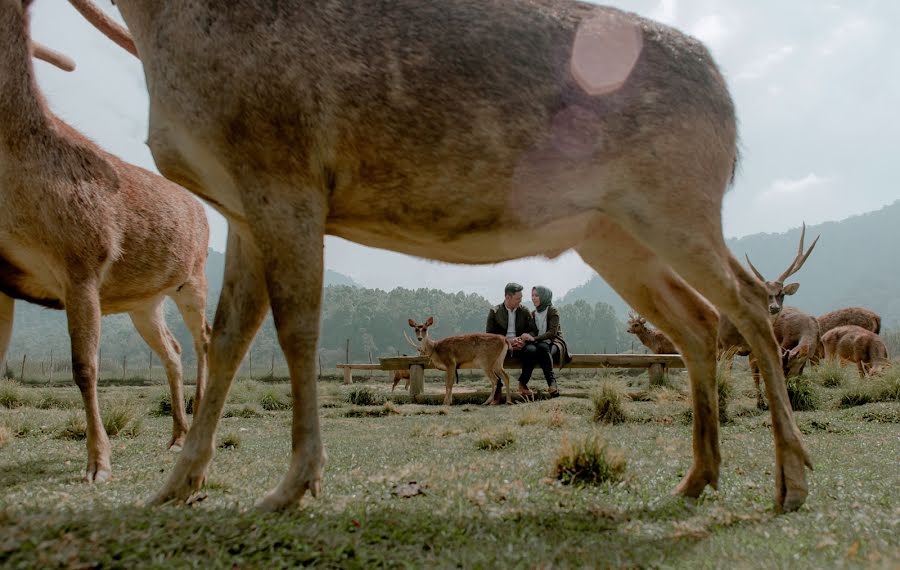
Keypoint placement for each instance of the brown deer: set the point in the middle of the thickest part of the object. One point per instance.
(656, 341)
(456, 135)
(730, 341)
(852, 343)
(84, 232)
(397, 376)
(487, 351)
(869, 320)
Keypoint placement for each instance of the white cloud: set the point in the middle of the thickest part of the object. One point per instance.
(760, 67)
(711, 30)
(782, 187)
(664, 12)
(851, 31)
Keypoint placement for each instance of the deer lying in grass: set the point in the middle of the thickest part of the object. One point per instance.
(869, 320)
(852, 343)
(451, 134)
(656, 341)
(730, 341)
(82, 231)
(487, 351)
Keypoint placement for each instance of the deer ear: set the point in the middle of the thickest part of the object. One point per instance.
(791, 288)
(412, 323)
(429, 322)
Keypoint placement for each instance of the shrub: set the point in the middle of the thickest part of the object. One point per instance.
(493, 440)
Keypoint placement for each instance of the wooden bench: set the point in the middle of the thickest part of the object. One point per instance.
(656, 364)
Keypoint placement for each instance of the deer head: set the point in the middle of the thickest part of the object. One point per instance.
(636, 323)
(421, 334)
(776, 290)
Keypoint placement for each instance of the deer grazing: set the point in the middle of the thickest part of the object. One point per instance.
(852, 343)
(656, 341)
(487, 351)
(869, 320)
(84, 232)
(451, 134)
(795, 328)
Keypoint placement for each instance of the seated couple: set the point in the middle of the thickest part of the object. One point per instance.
(535, 337)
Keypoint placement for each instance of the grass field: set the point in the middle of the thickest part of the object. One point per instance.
(465, 486)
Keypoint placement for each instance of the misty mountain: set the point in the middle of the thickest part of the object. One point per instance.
(856, 262)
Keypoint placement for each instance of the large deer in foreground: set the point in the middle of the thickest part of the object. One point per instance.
(487, 351)
(82, 231)
(451, 131)
(799, 325)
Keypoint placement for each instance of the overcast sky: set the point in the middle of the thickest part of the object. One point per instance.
(816, 83)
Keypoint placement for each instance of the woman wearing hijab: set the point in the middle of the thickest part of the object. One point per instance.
(549, 340)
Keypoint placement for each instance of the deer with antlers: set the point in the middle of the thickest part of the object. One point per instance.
(656, 341)
(485, 350)
(454, 135)
(792, 334)
(82, 231)
(852, 343)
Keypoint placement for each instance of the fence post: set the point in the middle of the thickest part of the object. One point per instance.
(150, 368)
(250, 363)
(50, 377)
(22, 373)
(320, 367)
(272, 368)
(124, 366)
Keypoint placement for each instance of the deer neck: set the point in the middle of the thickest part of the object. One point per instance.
(22, 115)
(645, 335)
(426, 346)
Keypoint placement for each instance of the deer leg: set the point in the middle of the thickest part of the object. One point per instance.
(861, 369)
(242, 307)
(151, 325)
(83, 314)
(754, 373)
(191, 302)
(448, 387)
(697, 253)
(7, 310)
(293, 270)
(651, 287)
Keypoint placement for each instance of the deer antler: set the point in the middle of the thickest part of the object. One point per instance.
(109, 27)
(755, 270)
(52, 57)
(801, 257)
(410, 341)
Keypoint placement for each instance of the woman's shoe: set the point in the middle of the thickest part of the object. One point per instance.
(525, 392)
(553, 391)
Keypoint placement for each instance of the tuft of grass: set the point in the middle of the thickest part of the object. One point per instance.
(388, 409)
(50, 401)
(831, 374)
(365, 396)
(607, 399)
(133, 429)
(492, 439)
(5, 436)
(230, 441)
(163, 406)
(802, 393)
(117, 418)
(247, 411)
(12, 395)
(588, 460)
(272, 401)
(535, 415)
(74, 428)
(881, 388)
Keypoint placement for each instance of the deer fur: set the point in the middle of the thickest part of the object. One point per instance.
(485, 350)
(656, 341)
(869, 320)
(852, 343)
(457, 132)
(82, 231)
(397, 375)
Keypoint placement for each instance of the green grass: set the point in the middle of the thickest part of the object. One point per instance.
(477, 508)
(588, 460)
(830, 374)
(494, 439)
(607, 399)
(802, 393)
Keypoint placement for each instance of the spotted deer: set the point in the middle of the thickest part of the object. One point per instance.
(457, 134)
(85, 232)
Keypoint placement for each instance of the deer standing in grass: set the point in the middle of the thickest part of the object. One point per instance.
(852, 343)
(457, 131)
(656, 341)
(487, 351)
(84, 232)
(869, 320)
(732, 343)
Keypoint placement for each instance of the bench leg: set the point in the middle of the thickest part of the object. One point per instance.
(657, 373)
(348, 376)
(416, 382)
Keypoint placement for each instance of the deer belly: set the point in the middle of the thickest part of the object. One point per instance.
(18, 283)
